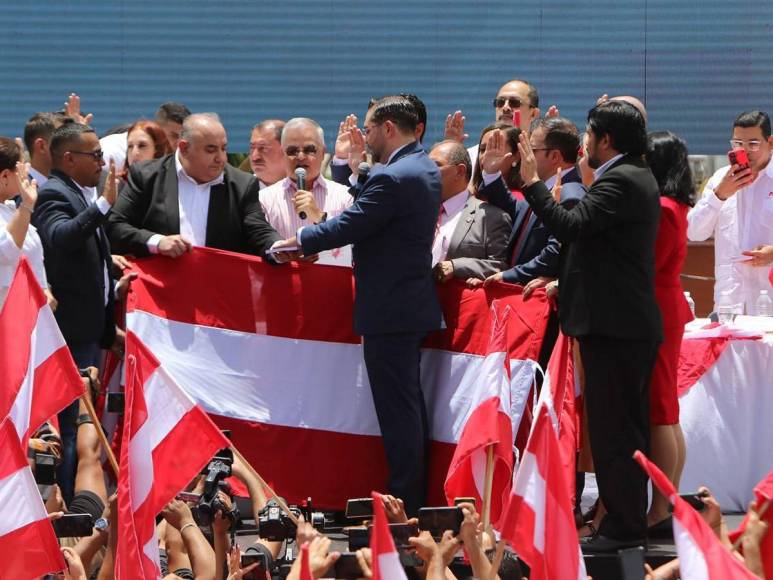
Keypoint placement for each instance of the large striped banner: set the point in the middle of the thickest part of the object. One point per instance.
(269, 351)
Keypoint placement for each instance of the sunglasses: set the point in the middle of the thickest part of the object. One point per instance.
(753, 145)
(514, 102)
(308, 151)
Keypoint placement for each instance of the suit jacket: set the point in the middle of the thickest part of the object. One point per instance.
(76, 252)
(478, 246)
(149, 204)
(538, 254)
(391, 226)
(607, 281)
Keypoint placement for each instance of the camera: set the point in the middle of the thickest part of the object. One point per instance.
(215, 473)
(45, 468)
(276, 526)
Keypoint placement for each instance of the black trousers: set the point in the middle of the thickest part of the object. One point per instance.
(392, 361)
(617, 379)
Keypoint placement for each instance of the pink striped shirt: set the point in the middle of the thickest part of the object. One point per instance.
(277, 201)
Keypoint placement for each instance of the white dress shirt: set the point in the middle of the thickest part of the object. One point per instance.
(39, 178)
(741, 222)
(193, 205)
(10, 253)
(92, 197)
(450, 212)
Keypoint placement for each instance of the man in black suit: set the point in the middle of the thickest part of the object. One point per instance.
(69, 218)
(392, 226)
(608, 304)
(190, 198)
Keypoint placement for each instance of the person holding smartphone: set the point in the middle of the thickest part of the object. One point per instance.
(737, 210)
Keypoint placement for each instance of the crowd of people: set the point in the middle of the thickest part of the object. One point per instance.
(599, 218)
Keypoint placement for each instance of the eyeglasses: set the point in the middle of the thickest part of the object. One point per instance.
(367, 130)
(95, 155)
(308, 151)
(514, 102)
(543, 148)
(753, 145)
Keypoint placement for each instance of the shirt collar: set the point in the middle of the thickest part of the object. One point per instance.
(39, 178)
(600, 171)
(454, 205)
(550, 182)
(396, 151)
(181, 173)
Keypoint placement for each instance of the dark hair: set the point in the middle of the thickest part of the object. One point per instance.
(754, 119)
(65, 136)
(667, 158)
(510, 568)
(160, 142)
(276, 125)
(172, 111)
(421, 111)
(457, 154)
(10, 154)
(623, 123)
(400, 110)
(40, 125)
(512, 134)
(560, 134)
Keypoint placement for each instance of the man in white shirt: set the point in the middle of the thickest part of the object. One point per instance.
(37, 139)
(471, 235)
(267, 159)
(303, 145)
(737, 209)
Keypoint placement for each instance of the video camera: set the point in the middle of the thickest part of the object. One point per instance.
(276, 526)
(215, 473)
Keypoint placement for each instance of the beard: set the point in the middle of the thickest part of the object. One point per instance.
(593, 161)
(375, 155)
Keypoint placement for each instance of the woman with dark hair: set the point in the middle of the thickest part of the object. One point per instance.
(510, 166)
(667, 158)
(145, 140)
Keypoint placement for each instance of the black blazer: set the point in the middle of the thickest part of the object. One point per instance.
(392, 226)
(149, 204)
(607, 280)
(75, 257)
(539, 253)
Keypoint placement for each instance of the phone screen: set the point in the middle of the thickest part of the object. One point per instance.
(73, 526)
(347, 566)
(259, 572)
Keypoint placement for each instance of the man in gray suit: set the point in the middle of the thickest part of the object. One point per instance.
(471, 235)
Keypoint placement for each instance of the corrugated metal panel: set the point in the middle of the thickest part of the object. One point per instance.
(697, 64)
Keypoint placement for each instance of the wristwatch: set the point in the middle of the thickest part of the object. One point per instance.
(322, 219)
(101, 525)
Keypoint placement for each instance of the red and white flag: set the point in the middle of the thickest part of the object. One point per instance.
(763, 493)
(488, 425)
(28, 546)
(701, 555)
(305, 563)
(38, 377)
(167, 440)
(271, 354)
(385, 561)
(538, 521)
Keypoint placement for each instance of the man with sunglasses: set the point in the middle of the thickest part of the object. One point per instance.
(166, 209)
(303, 146)
(737, 209)
(70, 218)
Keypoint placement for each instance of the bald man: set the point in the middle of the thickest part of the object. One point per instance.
(190, 198)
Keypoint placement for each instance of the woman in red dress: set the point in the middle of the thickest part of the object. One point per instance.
(667, 157)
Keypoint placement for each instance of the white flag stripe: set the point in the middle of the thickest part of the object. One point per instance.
(141, 462)
(390, 567)
(692, 565)
(21, 501)
(42, 346)
(531, 486)
(478, 467)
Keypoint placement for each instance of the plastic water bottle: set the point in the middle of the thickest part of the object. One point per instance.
(725, 308)
(764, 304)
(690, 302)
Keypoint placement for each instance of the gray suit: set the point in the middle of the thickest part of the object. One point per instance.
(478, 246)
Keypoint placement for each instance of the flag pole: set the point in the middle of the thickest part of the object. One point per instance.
(487, 483)
(86, 398)
(760, 513)
(265, 485)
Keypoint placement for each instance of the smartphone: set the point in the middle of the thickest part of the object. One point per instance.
(73, 526)
(738, 157)
(439, 519)
(359, 537)
(257, 573)
(694, 499)
(188, 497)
(347, 566)
(401, 533)
(115, 402)
(45, 468)
(359, 508)
(632, 563)
(458, 500)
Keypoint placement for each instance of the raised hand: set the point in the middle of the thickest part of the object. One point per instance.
(110, 192)
(356, 149)
(496, 154)
(27, 189)
(556, 191)
(552, 112)
(454, 128)
(72, 108)
(528, 161)
(343, 142)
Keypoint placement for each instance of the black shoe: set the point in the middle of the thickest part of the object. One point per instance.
(664, 529)
(599, 544)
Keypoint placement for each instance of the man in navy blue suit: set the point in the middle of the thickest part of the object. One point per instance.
(392, 226)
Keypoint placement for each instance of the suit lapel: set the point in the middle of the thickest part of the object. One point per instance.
(463, 226)
(520, 213)
(171, 197)
(527, 231)
(217, 214)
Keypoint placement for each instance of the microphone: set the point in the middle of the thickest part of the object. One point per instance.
(300, 178)
(364, 171)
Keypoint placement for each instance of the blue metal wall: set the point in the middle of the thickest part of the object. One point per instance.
(696, 64)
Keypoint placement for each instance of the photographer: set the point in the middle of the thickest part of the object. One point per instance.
(186, 547)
